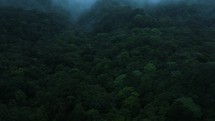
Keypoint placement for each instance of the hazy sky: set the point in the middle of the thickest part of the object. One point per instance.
(79, 6)
(75, 6)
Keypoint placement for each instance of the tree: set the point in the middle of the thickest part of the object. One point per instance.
(78, 113)
(184, 109)
(149, 68)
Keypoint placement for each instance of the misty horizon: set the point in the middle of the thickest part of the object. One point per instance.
(80, 6)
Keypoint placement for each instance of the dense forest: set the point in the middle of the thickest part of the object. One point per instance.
(115, 62)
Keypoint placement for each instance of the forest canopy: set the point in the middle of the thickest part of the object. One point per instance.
(116, 61)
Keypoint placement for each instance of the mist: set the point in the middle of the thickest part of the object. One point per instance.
(77, 7)
(39, 5)
(80, 6)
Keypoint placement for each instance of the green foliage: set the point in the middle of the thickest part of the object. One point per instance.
(78, 113)
(116, 63)
(149, 68)
(185, 109)
(93, 115)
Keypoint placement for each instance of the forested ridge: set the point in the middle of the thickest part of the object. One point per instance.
(115, 63)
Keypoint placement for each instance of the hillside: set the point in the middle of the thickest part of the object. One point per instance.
(116, 62)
